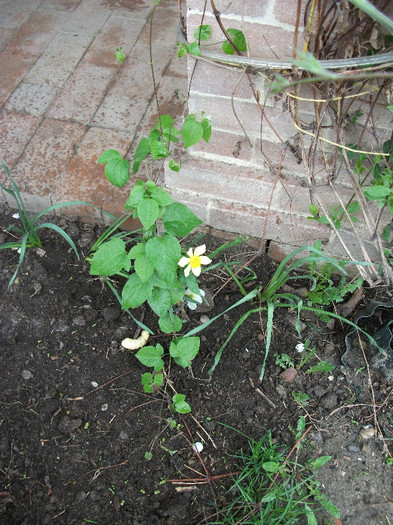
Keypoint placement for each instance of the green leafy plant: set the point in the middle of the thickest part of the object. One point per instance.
(119, 55)
(301, 398)
(157, 145)
(271, 488)
(336, 214)
(203, 32)
(273, 299)
(26, 235)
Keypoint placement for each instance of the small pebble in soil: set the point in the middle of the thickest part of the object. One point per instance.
(104, 407)
(94, 384)
(26, 374)
(367, 433)
(353, 448)
(204, 319)
(79, 321)
(329, 401)
(111, 314)
(289, 375)
(123, 435)
(68, 425)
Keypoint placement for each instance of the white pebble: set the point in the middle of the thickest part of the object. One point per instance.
(26, 374)
(105, 407)
(94, 384)
(197, 447)
(204, 319)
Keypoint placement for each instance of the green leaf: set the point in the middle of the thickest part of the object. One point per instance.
(313, 209)
(108, 155)
(147, 380)
(271, 466)
(148, 212)
(179, 220)
(207, 129)
(377, 193)
(136, 251)
(136, 195)
(228, 48)
(143, 268)
(194, 49)
(319, 462)
(161, 196)
(191, 132)
(202, 32)
(135, 292)
(238, 38)
(159, 301)
(169, 325)
(192, 283)
(151, 356)
(110, 258)
(184, 350)
(117, 171)
(173, 166)
(141, 152)
(176, 291)
(158, 379)
(164, 253)
(311, 519)
(353, 207)
(158, 149)
(323, 367)
(180, 405)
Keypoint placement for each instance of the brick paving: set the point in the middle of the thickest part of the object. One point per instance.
(64, 99)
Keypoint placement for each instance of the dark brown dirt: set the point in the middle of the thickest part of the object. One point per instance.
(75, 424)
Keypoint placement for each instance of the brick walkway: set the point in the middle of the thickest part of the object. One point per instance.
(64, 99)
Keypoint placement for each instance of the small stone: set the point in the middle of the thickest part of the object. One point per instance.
(353, 448)
(329, 401)
(104, 407)
(111, 314)
(80, 497)
(79, 321)
(289, 375)
(94, 384)
(367, 433)
(26, 374)
(123, 435)
(68, 425)
(204, 319)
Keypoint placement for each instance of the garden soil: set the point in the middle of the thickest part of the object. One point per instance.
(82, 443)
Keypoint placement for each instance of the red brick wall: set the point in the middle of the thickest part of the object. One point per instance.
(232, 183)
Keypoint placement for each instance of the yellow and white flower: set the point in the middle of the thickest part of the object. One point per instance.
(194, 261)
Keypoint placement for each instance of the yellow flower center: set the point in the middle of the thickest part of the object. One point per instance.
(195, 261)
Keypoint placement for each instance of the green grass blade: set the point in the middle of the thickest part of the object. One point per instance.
(248, 297)
(70, 203)
(109, 231)
(227, 245)
(269, 331)
(234, 330)
(61, 232)
(23, 245)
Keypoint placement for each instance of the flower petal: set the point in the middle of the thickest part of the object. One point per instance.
(200, 249)
(195, 271)
(191, 306)
(190, 252)
(205, 260)
(187, 270)
(183, 261)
